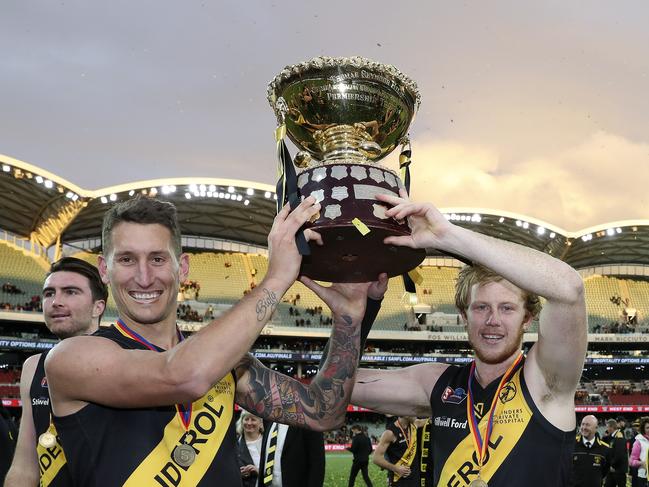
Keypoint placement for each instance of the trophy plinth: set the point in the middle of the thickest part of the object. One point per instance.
(346, 114)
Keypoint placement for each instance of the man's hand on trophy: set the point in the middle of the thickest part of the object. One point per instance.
(378, 288)
(343, 299)
(428, 226)
(283, 257)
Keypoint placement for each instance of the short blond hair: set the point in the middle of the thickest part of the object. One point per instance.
(471, 275)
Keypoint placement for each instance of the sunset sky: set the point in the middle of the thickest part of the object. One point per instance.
(535, 108)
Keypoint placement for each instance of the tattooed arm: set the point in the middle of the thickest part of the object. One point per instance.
(320, 405)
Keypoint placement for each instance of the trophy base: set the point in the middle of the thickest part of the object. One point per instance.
(348, 256)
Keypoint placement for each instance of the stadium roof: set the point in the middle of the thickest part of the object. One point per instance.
(45, 209)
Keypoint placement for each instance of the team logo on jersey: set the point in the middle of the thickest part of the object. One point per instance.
(507, 393)
(453, 396)
(44, 382)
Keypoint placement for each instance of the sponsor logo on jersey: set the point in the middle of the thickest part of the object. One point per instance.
(44, 382)
(453, 396)
(446, 422)
(40, 401)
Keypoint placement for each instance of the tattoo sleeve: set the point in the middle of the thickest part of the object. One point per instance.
(272, 395)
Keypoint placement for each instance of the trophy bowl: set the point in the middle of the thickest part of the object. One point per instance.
(345, 115)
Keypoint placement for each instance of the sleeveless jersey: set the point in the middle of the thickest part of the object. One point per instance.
(52, 466)
(403, 452)
(134, 447)
(524, 448)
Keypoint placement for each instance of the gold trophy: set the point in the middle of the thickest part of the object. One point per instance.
(345, 115)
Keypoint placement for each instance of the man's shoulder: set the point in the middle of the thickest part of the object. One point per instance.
(603, 443)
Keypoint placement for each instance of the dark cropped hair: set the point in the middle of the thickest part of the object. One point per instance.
(98, 289)
(141, 210)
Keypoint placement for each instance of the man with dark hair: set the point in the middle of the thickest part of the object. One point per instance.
(617, 476)
(74, 299)
(361, 447)
(504, 418)
(138, 404)
(396, 452)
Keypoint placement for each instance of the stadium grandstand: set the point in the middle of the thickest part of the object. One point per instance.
(225, 224)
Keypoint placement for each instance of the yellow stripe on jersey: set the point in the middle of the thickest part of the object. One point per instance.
(211, 417)
(510, 420)
(50, 460)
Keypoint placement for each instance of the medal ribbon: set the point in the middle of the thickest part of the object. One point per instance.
(184, 412)
(482, 445)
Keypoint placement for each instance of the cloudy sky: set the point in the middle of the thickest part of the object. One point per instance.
(536, 108)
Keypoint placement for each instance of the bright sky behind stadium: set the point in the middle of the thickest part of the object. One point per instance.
(539, 108)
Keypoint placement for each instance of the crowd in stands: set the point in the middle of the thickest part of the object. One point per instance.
(621, 328)
(190, 288)
(316, 316)
(186, 313)
(10, 288)
(34, 304)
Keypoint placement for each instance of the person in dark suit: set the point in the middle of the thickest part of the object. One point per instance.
(250, 429)
(298, 459)
(591, 458)
(620, 461)
(361, 447)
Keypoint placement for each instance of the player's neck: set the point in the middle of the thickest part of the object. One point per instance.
(162, 334)
(486, 373)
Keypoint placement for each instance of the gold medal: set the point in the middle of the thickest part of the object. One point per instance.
(47, 440)
(184, 455)
(478, 483)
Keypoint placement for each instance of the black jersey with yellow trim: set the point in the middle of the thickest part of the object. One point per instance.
(403, 451)
(524, 448)
(52, 467)
(134, 447)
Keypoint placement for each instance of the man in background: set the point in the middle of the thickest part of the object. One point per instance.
(591, 458)
(397, 453)
(361, 447)
(74, 299)
(620, 456)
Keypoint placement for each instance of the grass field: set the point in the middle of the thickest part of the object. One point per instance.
(337, 471)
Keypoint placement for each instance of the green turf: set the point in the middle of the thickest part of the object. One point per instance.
(337, 471)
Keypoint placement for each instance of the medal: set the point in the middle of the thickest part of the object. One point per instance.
(47, 440)
(184, 455)
(480, 442)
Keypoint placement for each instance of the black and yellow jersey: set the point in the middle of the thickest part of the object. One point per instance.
(135, 447)
(403, 451)
(52, 466)
(524, 448)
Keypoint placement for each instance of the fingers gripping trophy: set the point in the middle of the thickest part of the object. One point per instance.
(345, 115)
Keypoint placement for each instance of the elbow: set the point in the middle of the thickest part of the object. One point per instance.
(188, 385)
(573, 289)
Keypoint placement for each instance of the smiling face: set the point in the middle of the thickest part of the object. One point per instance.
(252, 425)
(588, 427)
(68, 306)
(496, 320)
(143, 272)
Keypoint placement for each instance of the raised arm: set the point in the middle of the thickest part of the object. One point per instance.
(561, 348)
(185, 372)
(24, 467)
(320, 405)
